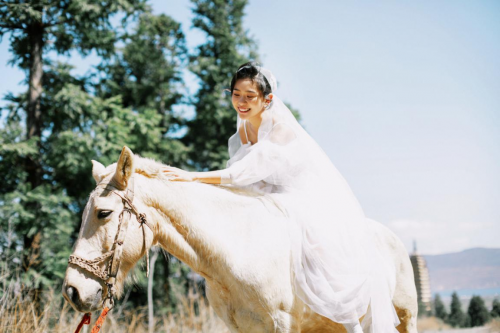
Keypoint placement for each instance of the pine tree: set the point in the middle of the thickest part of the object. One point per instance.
(146, 73)
(495, 308)
(131, 104)
(34, 29)
(457, 316)
(478, 312)
(423, 309)
(439, 309)
(214, 63)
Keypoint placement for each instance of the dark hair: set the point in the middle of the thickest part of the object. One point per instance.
(250, 70)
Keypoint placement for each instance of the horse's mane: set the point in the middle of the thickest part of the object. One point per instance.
(152, 169)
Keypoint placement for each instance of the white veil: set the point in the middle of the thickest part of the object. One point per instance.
(338, 270)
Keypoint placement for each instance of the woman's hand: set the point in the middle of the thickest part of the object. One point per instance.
(178, 175)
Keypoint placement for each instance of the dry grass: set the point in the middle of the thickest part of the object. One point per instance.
(431, 324)
(19, 315)
(436, 324)
(494, 325)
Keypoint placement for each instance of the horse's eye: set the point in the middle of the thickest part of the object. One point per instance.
(104, 213)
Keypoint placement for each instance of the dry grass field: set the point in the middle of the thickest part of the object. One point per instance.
(433, 324)
(193, 315)
(18, 315)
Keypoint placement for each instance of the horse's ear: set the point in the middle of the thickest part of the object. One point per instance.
(124, 168)
(98, 171)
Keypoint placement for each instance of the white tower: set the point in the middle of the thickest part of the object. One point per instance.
(421, 274)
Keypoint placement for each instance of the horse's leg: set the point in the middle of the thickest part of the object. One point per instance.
(286, 323)
(313, 323)
(408, 321)
(218, 301)
(289, 315)
(405, 294)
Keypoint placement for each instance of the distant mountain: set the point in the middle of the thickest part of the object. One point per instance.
(476, 268)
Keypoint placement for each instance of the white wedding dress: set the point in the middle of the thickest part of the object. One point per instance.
(338, 270)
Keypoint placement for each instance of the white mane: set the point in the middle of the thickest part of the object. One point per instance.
(152, 169)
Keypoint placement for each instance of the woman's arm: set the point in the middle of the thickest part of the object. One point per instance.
(264, 159)
(176, 174)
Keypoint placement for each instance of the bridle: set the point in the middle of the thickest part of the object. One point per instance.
(109, 272)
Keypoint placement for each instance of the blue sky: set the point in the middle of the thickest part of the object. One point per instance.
(403, 96)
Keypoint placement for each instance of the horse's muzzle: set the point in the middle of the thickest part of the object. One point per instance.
(89, 304)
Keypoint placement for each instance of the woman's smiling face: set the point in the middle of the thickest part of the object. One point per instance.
(247, 99)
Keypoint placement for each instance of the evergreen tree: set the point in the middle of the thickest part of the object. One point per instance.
(423, 309)
(82, 127)
(457, 316)
(495, 308)
(467, 321)
(478, 312)
(34, 29)
(146, 73)
(214, 63)
(131, 104)
(439, 309)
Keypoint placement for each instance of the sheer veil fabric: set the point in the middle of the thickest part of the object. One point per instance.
(339, 273)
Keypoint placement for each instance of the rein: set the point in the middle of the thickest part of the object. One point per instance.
(109, 272)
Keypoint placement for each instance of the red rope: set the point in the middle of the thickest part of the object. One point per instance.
(85, 321)
(98, 324)
(100, 321)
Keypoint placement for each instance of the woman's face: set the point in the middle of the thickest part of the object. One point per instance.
(247, 99)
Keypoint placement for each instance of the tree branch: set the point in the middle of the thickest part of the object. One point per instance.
(52, 24)
(11, 26)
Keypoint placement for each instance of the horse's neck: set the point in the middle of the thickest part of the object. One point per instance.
(192, 221)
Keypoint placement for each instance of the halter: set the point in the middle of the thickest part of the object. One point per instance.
(109, 272)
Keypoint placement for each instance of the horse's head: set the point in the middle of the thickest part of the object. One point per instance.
(104, 251)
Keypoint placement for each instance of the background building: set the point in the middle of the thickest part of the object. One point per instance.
(421, 274)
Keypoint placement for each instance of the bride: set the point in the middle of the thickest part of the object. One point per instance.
(338, 271)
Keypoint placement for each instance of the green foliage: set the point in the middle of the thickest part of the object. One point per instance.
(477, 312)
(495, 308)
(146, 74)
(439, 309)
(16, 216)
(13, 151)
(65, 25)
(214, 63)
(457, 317)
(423, 309)
(467, 321)
(39, 205)
(81, 119)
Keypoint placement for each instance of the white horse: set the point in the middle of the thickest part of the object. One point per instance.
(245, 258)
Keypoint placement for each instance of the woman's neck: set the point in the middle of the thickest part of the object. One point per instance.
(255, 122)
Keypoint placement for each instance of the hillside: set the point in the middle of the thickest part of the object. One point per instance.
(476, 268)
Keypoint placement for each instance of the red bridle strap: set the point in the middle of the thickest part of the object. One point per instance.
(100, 321)
(98, 324)
(85, 321)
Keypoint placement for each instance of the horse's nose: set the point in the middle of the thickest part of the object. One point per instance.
(72, 295)
(87, 304)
